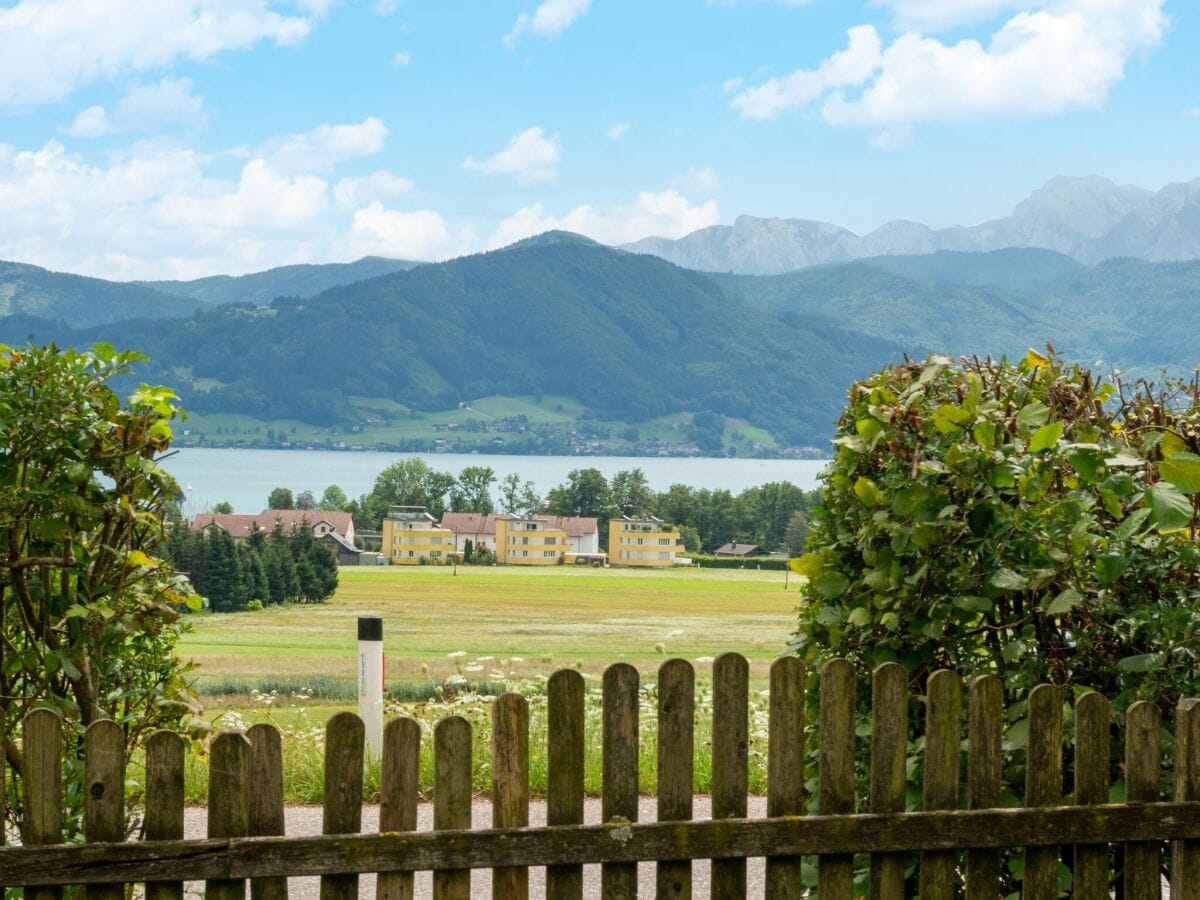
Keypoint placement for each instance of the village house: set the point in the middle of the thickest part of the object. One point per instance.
(642, 541)
(529, 541)
(582, 533)
(740, 550)
(411, 536)
(321, 522)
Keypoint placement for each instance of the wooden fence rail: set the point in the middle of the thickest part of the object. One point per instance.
(960, 850)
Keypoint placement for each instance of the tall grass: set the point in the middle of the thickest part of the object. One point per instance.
(319, 687)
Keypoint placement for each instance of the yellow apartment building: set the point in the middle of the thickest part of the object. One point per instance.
(410, 535)
(529, 541)
(642, 542)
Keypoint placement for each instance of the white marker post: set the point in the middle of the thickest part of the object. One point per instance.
(370, 680)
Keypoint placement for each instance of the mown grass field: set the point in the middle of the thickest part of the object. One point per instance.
(538, 619)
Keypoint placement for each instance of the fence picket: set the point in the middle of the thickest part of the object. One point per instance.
(1143, 769)
(164, 802)
(228, 813)
(1185, 855)
(398, 794)
(1043, 785)
(452, 798)
(676, 737)
(730, 762)
(985, 719)
(1092, 741)
(785, 767)
(619, 800)
(939, 789)
(889, 745)
(41, 751)
(510, 786)
(345, 735)
(265, 800)
(835, 874)
(565, 749)
(104, 794)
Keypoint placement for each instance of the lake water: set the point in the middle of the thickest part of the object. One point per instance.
(246, 477)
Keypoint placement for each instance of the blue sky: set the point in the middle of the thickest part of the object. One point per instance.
(190, 137)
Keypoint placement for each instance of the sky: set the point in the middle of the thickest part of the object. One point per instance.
(183, 138)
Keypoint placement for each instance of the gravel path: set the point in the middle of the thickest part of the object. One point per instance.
(306, 820)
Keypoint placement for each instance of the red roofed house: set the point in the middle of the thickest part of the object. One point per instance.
(242, 526)
(582, 532)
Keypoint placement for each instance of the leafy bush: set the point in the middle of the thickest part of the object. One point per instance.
(740, 562)
(1029, 520)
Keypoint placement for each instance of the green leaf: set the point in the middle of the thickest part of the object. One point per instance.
(831, 584)
(194, 602)
(868, 492)
(1143, 662)
(868, 427)
(1087, 464)
(1064, 602)
(860, 616)
(1110, 567)
(1046, 437)
(985, 435)
(138, 558)
(1181, 470)
(1170, 510)
(948, 419)
(809, 565)
(1172, 443)
(1131, 525)
(1008, 580)
(1035, 415)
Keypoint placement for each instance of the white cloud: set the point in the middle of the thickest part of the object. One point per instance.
(421, 234)
(665, 213)
(618, 131)
(698, 180)
(402, 59)
(549, 20)
(263, 198)
(937, 15)
(731, 84)
(146, 107)
(386, 7)
(530, 156)
(1192, 112)
(1064, 55)
(49, 48)
(352, 193)
(91, 122)
(325, 146)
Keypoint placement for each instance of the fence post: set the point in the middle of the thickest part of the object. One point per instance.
(676, 738)
(1043, 785)
(164, 802)
(564, 799)
(41, 751)
(835, 874)
(342, 814)
(939, 788)
(452, 798)
(228, 814)
(785, 767)
(1185, 856)
(619, 800)
(1092, 722)
(104, 794)
(1143, 769)
(730, 762)
(400, 782)
(510, 786)
(985, 719)
(265, 800)
(889, 746)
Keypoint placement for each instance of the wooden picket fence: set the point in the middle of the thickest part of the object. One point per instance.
(959, 848)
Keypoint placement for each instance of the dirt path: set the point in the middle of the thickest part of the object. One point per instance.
(306, 820)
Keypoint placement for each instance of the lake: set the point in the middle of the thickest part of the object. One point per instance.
(244, 478)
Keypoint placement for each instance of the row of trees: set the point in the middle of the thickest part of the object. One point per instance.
(291, 567)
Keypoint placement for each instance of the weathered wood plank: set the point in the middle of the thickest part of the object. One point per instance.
(1185, 855)
(676, 739)
(41, 749)
(889, 745)
(619, 799)
(104, 794)
(510, 786)
(228, 812)
(730, 762)
(1092, 723)
(565, 756)
(1043, 786)
(164, 802)
(939, 788)
(345, 737)
(1143, 769)
(451, 803)
(265, 800)
(398, 795)
(835, 874)
(588, 844)
(985, 726)
(785, 767)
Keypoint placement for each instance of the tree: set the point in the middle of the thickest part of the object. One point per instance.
(797, 533)
(517, 496)
(306, 500)
(408, 482)
(334, 499)
(585, 493)
(631, 494)
(224, 507)
(472, 490)
(89, 611)
(280, 498)
(1024, 519)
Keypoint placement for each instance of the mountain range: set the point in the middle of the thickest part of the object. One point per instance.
(1090, 219)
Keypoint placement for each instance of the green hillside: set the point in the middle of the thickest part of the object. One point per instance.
(79, 301)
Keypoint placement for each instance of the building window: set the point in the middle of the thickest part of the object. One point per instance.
(666, 542)
(549, 554)
(524, 540)
(435, 554)
(525, 553)
(550, 540)
(641, 541)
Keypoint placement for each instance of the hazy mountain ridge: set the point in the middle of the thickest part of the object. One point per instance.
(1090, 219)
